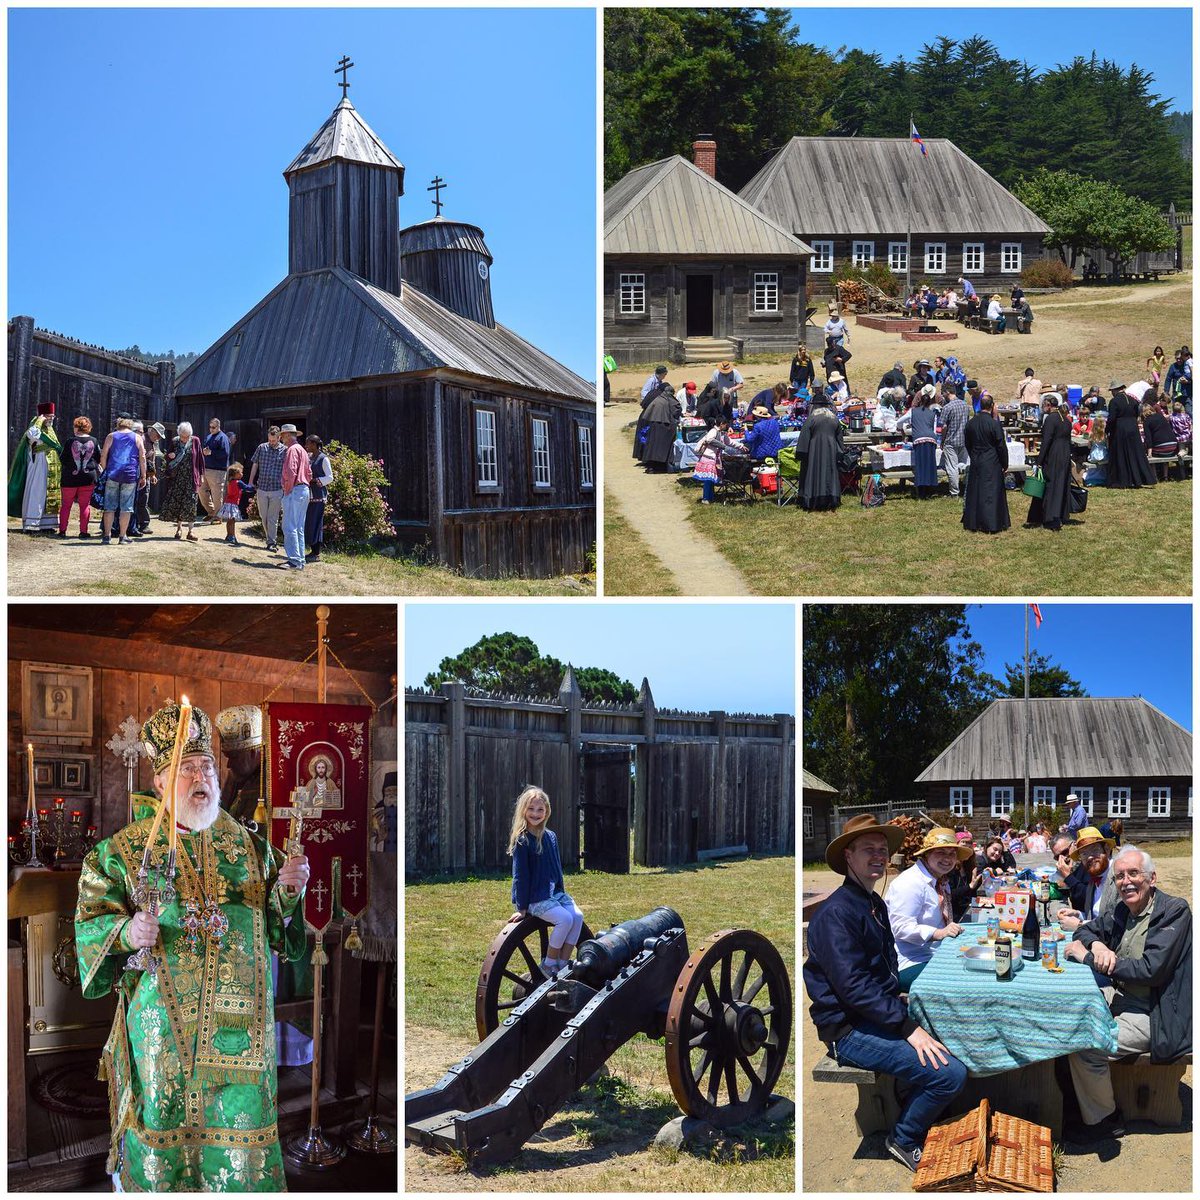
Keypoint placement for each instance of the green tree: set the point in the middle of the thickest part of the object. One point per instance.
(886, 687)
(512, 663)
(1047, 680)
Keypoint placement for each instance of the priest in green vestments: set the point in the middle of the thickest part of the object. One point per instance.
(35, 478)
(190, 1059)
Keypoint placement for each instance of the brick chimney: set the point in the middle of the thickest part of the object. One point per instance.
(704, 154)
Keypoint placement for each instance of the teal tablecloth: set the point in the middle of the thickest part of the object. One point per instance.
(993, 1027)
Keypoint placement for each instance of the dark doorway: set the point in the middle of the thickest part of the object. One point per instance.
(605, 808)
(699, 316)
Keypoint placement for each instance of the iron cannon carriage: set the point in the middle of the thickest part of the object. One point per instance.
(724, 1011)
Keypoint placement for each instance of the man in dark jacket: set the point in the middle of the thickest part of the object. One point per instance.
(835, 358)
(1144, 946)
(893, 378)
(852, 979)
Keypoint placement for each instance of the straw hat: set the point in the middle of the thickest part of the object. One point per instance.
(835, 853)
(724, 365)
(761, 410)
(942, 838)
(836, 377)
(1089, 835)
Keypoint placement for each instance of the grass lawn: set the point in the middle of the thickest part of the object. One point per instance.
(1128, 544)
(630, 569)
(448, 928)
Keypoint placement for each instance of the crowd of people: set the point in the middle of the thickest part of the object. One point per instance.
(1085, 440)
(866, 951)
(200, 483)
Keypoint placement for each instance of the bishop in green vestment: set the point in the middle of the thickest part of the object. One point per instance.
(190, 1059)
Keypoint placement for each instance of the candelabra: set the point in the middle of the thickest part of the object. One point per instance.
(62, 837)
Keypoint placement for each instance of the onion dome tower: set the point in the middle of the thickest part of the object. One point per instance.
(450, 262)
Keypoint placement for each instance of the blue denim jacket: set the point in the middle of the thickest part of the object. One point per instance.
(851, 974)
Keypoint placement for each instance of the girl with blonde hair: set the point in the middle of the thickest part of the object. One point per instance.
(537, 887)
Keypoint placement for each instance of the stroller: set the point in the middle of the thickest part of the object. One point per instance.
(737, 481)
(850, 470)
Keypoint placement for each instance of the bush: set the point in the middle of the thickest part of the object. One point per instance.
(355, 510)
(1048, 273)
(876, 274)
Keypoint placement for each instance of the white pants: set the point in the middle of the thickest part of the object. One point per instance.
(1089, 1068)
(567, 920)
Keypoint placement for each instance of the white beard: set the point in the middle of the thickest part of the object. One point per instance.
(199, 813)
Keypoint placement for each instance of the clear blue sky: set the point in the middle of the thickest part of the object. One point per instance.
(146, 149)
(1159, 40)
(670, 644)
(1112, 649)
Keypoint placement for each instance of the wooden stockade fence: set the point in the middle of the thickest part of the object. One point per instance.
(700, 781)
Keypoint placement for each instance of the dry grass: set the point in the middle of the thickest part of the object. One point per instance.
(630, 569)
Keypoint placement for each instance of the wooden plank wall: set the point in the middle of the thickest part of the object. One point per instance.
(707, 780)
(125, 684)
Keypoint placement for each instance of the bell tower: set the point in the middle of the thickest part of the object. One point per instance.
(344, 192)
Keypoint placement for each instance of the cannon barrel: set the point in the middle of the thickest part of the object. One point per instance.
(602, 958)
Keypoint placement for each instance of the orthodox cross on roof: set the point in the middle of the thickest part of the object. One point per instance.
(341, 69)
(436, 187)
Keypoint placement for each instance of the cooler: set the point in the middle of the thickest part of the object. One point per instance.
(1074, 394)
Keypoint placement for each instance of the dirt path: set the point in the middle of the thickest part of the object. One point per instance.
(158, 565)
(653, 506)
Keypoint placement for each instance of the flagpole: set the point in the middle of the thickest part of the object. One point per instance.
(908, 189)
(1025, 709)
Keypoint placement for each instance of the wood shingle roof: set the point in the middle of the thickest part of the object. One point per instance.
(671, 207)
(814, 783)
(330, 326)
(347, 136)
(840, 187)
(1121, 738)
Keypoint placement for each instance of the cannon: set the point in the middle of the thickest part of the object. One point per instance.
(724, 1012)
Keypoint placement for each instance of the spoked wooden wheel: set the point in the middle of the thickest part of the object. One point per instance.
(512, 969)
(728, 1027)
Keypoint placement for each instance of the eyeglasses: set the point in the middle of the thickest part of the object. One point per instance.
(193, 770)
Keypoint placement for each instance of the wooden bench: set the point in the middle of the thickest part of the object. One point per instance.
(1182, 461)
(1147, 1091)
(878, 1108)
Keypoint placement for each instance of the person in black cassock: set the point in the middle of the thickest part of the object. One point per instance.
(818, 446)
(986, 504)
(660, 418)
(835, 358)
(1052, 509)
(1127, 465)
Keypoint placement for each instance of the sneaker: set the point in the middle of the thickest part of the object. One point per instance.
(136, 533)
(233, 541)
(911, 1158)
(550, 967)
(62, 533)
(85, 534)
(1104, 1130)
(105, 540)
(272, 547)
(123, 541)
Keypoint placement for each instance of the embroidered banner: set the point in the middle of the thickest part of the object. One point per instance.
(319, 765)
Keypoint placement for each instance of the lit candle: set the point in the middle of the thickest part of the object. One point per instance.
(58, 804)
(31, 799)
(76, 816)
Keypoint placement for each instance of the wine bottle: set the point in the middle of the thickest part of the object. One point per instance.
(1031, 933)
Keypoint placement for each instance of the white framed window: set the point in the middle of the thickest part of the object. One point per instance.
(935, 258)
(632, 301)
(1010, 258)
(1159, 802)
(961, 801)
(766, 291)
(972, 258)
(540, 439)
(862, 254)
(822, 259)
(898, 257)
(1118, 801)
(1085, 795)
(1044, 794)
(487, 467)
(1002, 801)
(586, 458)
(809, 826)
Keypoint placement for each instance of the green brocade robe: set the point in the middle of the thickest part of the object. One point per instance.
(190, 1059)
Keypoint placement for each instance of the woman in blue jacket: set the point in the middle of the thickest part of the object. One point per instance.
(537, 886)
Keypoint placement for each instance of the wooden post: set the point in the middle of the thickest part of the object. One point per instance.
(456, 749)
(785, 838)
(571, 699)
(719, 832)
(435, 454)
(645, 756)
(162, 394)
(20, 402)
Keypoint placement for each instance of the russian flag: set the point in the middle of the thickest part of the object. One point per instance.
(1037, 616)
(916, 138)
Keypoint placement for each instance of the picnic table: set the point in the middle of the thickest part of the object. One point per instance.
(993, 1027)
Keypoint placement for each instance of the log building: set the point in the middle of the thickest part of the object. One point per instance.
(1121, 757)
(848, 199)
(693, 273)
(384, 339)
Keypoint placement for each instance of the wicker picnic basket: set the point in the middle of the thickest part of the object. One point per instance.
(986, 1151)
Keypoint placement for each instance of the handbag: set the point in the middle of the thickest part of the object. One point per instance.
(98, 490)
(1077, 498)
(1035, 484)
